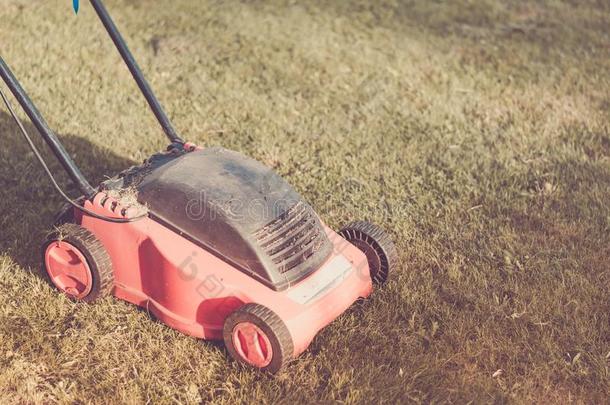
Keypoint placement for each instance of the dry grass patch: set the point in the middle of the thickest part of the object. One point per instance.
(477, 132)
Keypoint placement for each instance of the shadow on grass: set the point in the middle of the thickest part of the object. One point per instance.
(532, 23)
(29, 201)
(502, 38)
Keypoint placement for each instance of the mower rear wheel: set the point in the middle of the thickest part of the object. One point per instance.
(257, 336)
(76, 263)
(376, 244)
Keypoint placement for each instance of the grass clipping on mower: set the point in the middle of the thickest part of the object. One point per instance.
(128, 198)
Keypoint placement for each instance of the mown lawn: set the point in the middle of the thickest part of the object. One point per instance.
(477, 132)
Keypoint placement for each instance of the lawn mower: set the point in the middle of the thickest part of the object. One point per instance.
(211, 242)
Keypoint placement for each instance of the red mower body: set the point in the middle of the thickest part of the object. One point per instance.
(226, 250)
(193, 291)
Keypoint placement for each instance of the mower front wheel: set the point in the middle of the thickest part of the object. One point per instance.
(77, 264)
(257, 336)
(376, 244)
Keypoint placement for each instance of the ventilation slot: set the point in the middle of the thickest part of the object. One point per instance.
(292, 238)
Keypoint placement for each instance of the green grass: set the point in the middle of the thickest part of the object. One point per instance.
(477, 132)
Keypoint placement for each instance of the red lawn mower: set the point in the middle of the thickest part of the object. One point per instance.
(213, 243)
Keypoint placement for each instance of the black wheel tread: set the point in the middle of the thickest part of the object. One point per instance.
(93, 250)
(379, 240)
(274, 323)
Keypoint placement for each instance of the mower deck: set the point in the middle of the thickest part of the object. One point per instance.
(233, 207)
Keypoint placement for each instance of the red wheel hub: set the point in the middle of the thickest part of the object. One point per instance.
(68, 269)
(252, 344)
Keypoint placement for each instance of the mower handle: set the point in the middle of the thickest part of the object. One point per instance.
(45, 131)
(136, 72)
